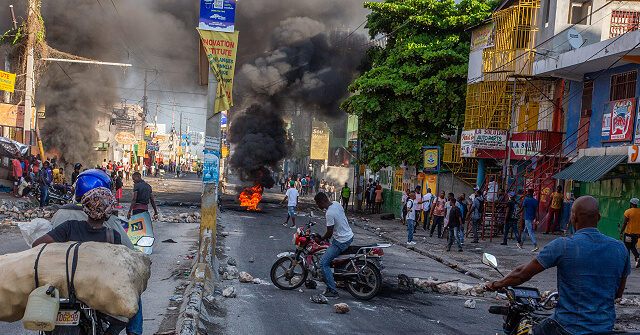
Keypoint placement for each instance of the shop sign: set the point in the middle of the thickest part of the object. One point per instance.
(12, 115)
(151, 146)
(218, 15)
(7, 81)
(124, 124)
(490, 139)
(125, 138)
(431, 159)
(142, 148)
(466, 143)
(397, 185)
(482, 37)
(622, 117)
(632, 154)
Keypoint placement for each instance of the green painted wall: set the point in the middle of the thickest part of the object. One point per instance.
(613, 192)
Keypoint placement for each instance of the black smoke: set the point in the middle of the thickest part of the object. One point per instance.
(259, 143)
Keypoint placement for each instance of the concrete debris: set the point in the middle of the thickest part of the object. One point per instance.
(179, 218)
(319, 299)
(470, 304)
(232, 270)
(221, 269)
(172, 308)
(244, 277)
(232, 261)
(271, 236)
(225, 233)
(209, 298)
(635, 301)
(228, 276)
(176, 298)
(341, 308)
(479, 290)
(300, 290)
(235, 230)
(251, 260)
(229, 292)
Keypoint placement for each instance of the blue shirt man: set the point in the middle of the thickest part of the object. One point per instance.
(592, 273)
(530, 205)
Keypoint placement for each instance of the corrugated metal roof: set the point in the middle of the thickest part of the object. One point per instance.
(590, 168)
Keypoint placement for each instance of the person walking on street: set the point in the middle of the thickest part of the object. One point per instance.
(378, 198)
(463, 204)
(592, 271)
(454, 223)
(291, 195)
(345, 193)
(427, 204)
(332, 192)
(76, 173)
(555, 210)
(411, 216)
(16, 173)
(631, 229)
(44, 180)
(477, 213)
(418, 204)
(530, 207)
(142, 196)
(512, 218)
(438, 213)
(341, 235)
(403, 210)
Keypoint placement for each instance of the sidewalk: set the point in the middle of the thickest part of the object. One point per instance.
(470, 261)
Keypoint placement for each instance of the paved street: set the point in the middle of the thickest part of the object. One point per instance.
(264, 309)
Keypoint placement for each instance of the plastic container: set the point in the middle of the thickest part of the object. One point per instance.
(42, 309)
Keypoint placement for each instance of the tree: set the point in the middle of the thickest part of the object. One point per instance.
(414, 89)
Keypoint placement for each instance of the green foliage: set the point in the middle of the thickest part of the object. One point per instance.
(414, 90)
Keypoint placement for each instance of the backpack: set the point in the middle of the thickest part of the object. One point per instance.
(481, 207)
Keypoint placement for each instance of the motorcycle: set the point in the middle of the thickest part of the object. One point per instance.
(58, 193)
(526, 307)
(358, 267)
(76, 318)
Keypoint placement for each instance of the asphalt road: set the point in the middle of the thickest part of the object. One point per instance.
(264, 309)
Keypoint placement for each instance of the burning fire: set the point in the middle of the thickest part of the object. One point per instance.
(250, 197)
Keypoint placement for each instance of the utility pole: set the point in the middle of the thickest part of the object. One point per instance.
(180, 138)
(7, 63)
(28, 94)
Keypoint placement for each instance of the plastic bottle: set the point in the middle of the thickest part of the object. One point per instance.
(42, 309)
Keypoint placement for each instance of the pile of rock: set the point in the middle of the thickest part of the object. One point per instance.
(452, 287)
(15, 213)
(193, 217)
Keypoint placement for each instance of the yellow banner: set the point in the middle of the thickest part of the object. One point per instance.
(142, 148)
(320, 143)
(430, 181)
(7, 81)
(221, 49)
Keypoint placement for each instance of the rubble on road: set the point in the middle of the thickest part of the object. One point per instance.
(232, 261)
(229, 292)
(228, 276)
(470, 304)
(232, 270)
(319, 299)
(244, 277)
(251, 260)
(452, 287)
(193, 217)
(341, 308)
(635, 302)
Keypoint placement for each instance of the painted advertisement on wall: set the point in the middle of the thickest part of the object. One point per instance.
(494, 139)
(466, 143)
(482, 37)
(623, 114)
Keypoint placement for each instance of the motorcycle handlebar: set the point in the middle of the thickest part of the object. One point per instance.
(501, 310)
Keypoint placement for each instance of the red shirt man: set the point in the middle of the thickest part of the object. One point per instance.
(17, 170)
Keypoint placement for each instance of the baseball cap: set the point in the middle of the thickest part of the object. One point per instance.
(511, 194)
(634, 201)
(292, 183)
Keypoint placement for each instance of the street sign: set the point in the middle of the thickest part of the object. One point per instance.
(151, 146)
(125, 138)
(7, 81)
(217, 15)
(431, 159)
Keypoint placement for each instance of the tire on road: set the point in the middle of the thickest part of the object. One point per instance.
(283, 265)
(370, 274)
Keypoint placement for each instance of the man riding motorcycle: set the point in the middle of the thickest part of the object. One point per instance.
(592, 273)
(97, 204)
(338, 227)
(85, 182)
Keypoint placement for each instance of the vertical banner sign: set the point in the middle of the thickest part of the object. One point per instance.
(320, 142)
(7, 81)
(221, 49)
(430, 181)
(623, 113)
(466, 143)
(606, 122)
(636, 139)
(210, 166)
(431, 159)
(217, 15)
(142, 148)
(397, 185)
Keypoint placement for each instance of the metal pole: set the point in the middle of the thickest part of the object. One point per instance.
(144, 98)
(86, 62)
(508, 145)
(207, 242)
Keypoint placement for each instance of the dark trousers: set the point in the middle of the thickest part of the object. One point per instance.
(426, 220)
(44, 195)
(549, 327)
(554, 217)
(475, 223)
(138, 211)
(632, 246)
(437, 222)
(511, 224)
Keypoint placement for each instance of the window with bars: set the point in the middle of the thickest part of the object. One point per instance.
(623, 85)
(623, 21)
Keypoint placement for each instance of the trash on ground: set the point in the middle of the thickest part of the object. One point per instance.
(244, 277)
(172, 308)
(341, 308)
(176, 298)
(319, 299)
(232, 261)
(251, 260)
(229, 292)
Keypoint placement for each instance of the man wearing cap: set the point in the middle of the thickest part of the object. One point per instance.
(292, 195)
(631, 229)
(512, 217)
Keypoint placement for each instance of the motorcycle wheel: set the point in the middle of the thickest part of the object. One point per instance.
(368, 283)
(284, 275)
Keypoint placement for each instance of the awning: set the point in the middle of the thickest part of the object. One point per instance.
(590, 168)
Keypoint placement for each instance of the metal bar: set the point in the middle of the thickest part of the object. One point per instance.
(85, 62)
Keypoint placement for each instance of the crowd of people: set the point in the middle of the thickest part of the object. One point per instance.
(307, 185)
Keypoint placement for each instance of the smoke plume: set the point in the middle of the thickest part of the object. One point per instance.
(310, 61)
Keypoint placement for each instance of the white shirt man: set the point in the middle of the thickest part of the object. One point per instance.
(342, 233)
(292, 197)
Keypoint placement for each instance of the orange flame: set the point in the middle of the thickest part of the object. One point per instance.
(250, 197)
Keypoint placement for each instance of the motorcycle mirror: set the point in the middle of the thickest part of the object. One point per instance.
(145, 241)
(489, 260)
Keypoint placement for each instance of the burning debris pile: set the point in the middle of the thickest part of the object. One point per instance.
(250, 197)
